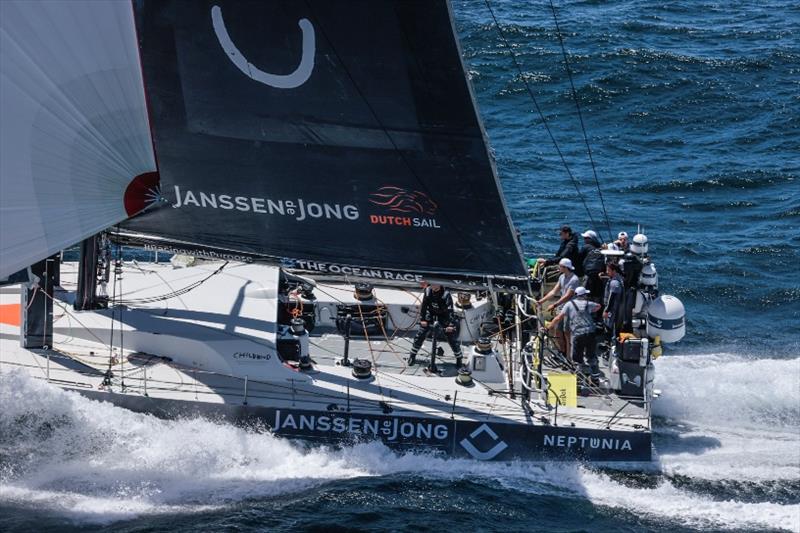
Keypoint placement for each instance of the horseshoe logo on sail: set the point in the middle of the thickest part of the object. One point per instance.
(279, 81)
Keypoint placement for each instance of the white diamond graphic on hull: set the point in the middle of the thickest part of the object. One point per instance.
(488, 454)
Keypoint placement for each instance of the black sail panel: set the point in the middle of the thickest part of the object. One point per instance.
(320, 134)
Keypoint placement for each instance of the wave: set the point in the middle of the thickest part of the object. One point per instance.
(731, 420)
(789, 213)
(747, 180)
(736, 390)
(92, 462)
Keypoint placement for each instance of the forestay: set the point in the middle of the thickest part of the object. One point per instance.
(338, 137)
(74, 134)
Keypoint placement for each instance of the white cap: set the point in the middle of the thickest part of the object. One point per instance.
(591, 235)
(566, 262)
(581, 291)
(622, 234)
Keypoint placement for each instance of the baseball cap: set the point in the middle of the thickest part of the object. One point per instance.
(590, 234)
(566, 229)
(566, 262)
(622, 234)
(581, 291)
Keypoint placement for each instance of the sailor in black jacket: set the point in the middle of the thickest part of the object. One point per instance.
(568, 248)
(437, 306)
(593, 262)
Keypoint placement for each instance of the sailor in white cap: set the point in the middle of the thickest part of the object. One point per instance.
(567, 283)
(578, 315)
(621, 243)
(593, 262)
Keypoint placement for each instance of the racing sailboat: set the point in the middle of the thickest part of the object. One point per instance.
(312, 166)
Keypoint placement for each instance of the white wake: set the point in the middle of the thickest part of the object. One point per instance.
(94, 462)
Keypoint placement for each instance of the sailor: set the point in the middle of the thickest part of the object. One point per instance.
(621, 243)
(578, 315)
(567, 249)
(567, 283)
(612, 299)
(436, 307)
(593, 263)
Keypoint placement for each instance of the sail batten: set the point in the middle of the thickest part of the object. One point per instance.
(74, 126)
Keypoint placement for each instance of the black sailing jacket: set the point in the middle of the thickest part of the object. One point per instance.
(437, 306)
(569, 249)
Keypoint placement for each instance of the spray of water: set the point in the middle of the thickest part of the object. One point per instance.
(729, 417)
(94, 462)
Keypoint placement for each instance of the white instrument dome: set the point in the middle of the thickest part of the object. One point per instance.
(649, 276)
(666, 317)
(639, 244)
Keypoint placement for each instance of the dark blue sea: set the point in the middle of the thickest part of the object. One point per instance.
(692, 110)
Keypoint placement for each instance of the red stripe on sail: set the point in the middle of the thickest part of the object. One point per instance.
(142, 191)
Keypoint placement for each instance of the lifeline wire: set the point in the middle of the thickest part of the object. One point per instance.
(580, 117)
(539, 111)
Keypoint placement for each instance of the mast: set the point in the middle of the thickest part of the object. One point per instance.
(37, 304)
(92, 265)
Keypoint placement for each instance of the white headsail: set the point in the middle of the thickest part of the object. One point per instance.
(74, 131)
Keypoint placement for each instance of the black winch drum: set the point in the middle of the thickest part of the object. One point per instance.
(362, 368)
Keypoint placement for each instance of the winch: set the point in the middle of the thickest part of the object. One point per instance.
(364, 292)
(362, 368)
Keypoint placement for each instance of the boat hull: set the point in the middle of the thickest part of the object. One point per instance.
(441, 435)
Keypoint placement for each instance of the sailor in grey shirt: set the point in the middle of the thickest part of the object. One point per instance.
(579, 320)
(567, 283)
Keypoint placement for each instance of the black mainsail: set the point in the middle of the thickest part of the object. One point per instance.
(338, 137)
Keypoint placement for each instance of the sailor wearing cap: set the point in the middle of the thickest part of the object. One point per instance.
(567, 283)
(621, 243)
(591, 257)
(579, 321)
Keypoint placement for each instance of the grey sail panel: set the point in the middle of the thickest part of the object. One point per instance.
(321, 133)
(76, 154)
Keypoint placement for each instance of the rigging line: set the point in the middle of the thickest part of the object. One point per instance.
(580, 117)
(174, 293)
(369, 345)
(539, 111)
(118, 265)
(388, 340)
(67, 314)
(113, 311)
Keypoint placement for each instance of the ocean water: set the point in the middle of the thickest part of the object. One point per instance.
(693, 113)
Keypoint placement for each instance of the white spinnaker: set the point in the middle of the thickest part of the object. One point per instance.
(74, 130)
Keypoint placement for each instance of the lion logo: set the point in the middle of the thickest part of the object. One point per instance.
(403, 201)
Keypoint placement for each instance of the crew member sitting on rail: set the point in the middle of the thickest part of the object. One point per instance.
(578, 314)
(436, 307)
(567, 283)
(612, 300)
(567, 249)
(621, 243)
